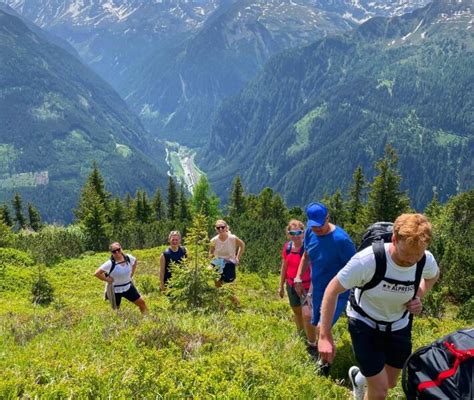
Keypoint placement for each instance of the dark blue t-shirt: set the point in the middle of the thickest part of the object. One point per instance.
(328, 254)
(170, 256)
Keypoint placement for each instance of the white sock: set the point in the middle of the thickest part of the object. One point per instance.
(360, 379)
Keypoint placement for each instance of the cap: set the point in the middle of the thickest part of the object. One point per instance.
(317, 214)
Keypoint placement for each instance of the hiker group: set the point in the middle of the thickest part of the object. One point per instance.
(380, 286)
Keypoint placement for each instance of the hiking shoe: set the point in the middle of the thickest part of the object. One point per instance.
(313, 352)
(358, 391)
(323, 367)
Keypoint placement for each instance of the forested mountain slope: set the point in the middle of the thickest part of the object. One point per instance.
(57, 117)
(315, 114)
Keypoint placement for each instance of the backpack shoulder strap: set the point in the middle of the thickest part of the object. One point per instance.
(112, 260)
(289, 247)
(419, 272)
(380, 265)
(127, 258)
(301, 251)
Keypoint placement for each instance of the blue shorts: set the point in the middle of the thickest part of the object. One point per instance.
(373, 348)
(318, 299)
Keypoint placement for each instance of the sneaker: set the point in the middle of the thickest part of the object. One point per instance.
(358, 391)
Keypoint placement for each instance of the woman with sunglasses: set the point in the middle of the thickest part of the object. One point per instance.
(119, 271)
(226, 247)
(290, 260)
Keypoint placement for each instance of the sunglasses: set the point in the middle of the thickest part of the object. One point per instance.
(295, 233)
(220, 227)
(115, 250)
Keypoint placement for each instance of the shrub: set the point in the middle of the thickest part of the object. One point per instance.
(42, 291)
(192, 281)
(52, 243)
(466, 311)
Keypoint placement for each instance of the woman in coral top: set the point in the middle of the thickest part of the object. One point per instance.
(290, 259)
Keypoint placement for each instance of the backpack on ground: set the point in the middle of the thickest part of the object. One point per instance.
(375, 236)
(442, 370)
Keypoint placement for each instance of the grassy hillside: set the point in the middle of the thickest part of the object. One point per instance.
(78, 348)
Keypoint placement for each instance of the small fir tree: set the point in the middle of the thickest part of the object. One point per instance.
(158, 206)
(386, 200)
(42, 291)
(18, 208)
(95, 224)
(192, 281)
(237, 199)
(204, 201)
(172, 205)
(94, 186)
(184, 212)
(34, 218)
(356, 195)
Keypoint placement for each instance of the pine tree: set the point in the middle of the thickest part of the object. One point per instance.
(158, 206)
(94, 184)
(5, 215)
(203, 200)
(237, 199)
(184, 213)
(147, 213)
(279, 210)
(117, 216)
(95, 223)
(337, 208)
(172, 205)
(386, 200)
(265, 204)
(18, 208)
(34, 218)
(356, 195)
(128, 207)
(138, 207)
(433, 209)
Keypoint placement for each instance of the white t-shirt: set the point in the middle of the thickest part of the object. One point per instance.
(386, 301)
(225, 249)
(121, 274)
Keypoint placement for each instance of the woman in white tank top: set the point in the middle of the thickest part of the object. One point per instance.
(227, 250)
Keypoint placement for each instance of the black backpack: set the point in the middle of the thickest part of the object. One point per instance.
(378, 231)
(376, 235)
(289, 246)
(442, 370)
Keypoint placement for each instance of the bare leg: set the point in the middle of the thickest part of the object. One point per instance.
(298, 317)
(142, 305)
(378, 385)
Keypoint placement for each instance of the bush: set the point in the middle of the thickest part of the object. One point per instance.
(42, 291)
(52, 243)
(466, 311)
(192, 281)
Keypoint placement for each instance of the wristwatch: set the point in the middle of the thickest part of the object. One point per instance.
(297, 280)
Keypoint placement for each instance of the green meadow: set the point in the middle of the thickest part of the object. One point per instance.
(78, 348)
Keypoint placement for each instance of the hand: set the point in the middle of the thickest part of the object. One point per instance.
(237, 260)
(109, 279)
(414, 306)
(162, 288)
(299, 288)
(327, 349)
(281, 292)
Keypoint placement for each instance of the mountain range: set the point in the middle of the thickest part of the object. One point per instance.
(57, 117)
(316, 113)
(174, 61)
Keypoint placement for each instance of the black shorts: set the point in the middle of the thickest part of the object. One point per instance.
(373, 349)
(293, 297)
(131, 295)
(228, 274)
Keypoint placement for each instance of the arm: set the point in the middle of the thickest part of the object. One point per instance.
(284, 267)
(241, 249)
(134, 267)
(162, 272)
(100, 273)
(326, 346)
(415, 305)
(301, 269)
